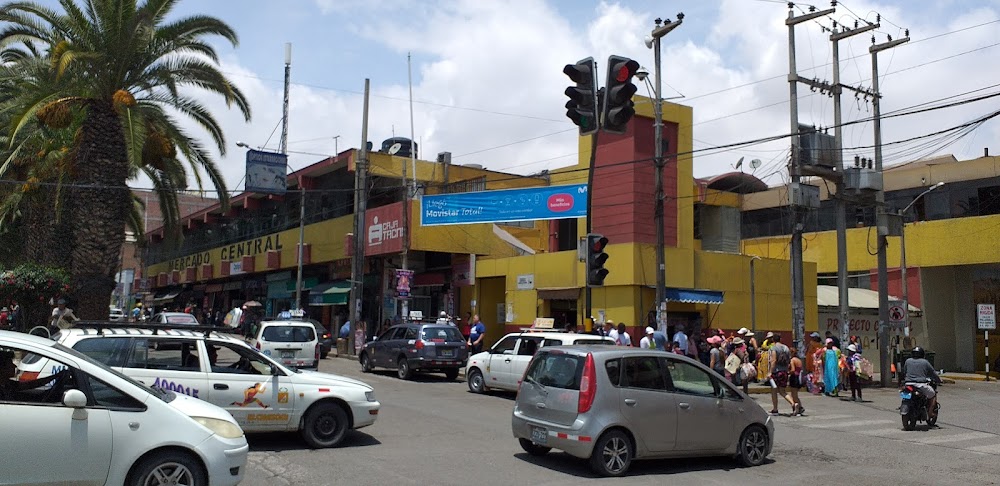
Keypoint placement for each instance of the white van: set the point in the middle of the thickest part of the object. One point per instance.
(88, 424)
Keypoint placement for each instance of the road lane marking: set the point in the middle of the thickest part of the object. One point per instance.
(855, 423)
(883, 432)
(991, 449)
(808, 418)
(953, 438)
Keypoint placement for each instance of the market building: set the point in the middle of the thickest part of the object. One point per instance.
(952, 259)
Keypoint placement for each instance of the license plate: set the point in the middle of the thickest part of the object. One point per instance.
(447, 353)
(539, 435)
(288, 354)
(905, 395)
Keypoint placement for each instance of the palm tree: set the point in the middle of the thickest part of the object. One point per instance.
(121, 65)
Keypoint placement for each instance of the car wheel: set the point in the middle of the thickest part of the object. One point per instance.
(612, 454)
(165, 468)
(451, 374)
(403, 369)
(532, 448)
(476, 382)
(325, 425)
(366, 363)
(752, 446)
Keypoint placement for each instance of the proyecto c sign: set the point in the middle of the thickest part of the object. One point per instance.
(527, 204)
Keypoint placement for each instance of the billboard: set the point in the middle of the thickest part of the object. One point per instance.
(528, 204)
(266, 172)
(384, 229)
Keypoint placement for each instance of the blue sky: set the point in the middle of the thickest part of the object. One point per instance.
(488, 84)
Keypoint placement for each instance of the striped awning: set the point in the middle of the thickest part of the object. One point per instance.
(694, 296)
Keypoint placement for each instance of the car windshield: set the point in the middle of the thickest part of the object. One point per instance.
(442, 334)
(593, 341)
(164, 395)
(289, 334)
(559, 370)
(181, 319)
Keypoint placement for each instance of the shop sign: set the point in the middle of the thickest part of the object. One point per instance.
(527, 204)
(384, 229)
(235, 268)
(526, 282)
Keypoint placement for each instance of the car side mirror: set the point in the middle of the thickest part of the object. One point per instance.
(76, 400)
(275, 371)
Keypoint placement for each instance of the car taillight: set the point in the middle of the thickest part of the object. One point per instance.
(910, 388)
(419, 344)
(523, 375)
(317, 354)
(588, 386)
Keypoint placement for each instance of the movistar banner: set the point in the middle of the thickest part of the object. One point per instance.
(528, 204)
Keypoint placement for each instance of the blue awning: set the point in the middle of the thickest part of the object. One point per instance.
(693, 296)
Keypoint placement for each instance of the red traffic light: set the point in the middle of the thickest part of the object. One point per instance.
(598, 243)
(626, 70)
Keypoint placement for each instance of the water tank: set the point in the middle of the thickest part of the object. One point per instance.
(474, 166)
(405, 145)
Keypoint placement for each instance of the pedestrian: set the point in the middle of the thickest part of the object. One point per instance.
(660, 340)
(136, 312)
(717, 356)
(703, 352)
(345, 329)
(623, 338)
(796, 377)
(853, 365)
(62, 316)
(610, 330)
(836, 340)
(647, 342)
(751, 347)
(780, 358)
(734, 364)
(680, 340)
(831, 369)
(476, 335)
(764, 357)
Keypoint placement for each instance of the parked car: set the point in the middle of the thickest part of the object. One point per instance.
(88, 424)
(261, 394)
(292, 343)
(502, 366)
(414, 347)
(613, 404)
(176, 318)
(326, 339)
(116, 314)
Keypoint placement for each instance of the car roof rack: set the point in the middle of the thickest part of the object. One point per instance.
(100, 326)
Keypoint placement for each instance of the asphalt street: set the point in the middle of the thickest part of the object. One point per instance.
(431, 431)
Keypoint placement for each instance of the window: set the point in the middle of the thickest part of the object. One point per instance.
(237, 360)
(289, 334)
(566, 234)
(506, 344)
(528, 346)
(110, 351)
(411, 333)
(690, 379)
(442, 334)
(180, 319)
(42, 381)
(164, 354)
(614, 369)
(108, 396)
(396, 333)
(591, 341)
(643, 372)
(558, 370)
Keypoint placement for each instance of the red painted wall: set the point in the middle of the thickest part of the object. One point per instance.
(896, 288)
(623, 198)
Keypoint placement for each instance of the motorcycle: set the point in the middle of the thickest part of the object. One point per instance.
(913, 408)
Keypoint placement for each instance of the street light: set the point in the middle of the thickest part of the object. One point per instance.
(902, 259)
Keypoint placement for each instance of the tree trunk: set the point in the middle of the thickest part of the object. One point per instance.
(98, 207)
(46, 230)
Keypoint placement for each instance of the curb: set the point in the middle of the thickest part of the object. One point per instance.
(977, 377)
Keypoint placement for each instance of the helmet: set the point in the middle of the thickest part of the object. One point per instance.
(443, 314)
(917, 352)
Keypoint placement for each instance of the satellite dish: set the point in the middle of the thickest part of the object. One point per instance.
(754, 163)
(395, 148)
(739, 163)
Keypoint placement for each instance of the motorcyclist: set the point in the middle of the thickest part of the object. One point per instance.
(919, 373)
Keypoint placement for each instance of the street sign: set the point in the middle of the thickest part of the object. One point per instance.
(897, 314)
(987, 316)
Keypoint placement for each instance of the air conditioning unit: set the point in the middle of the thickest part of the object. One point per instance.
(862, 180)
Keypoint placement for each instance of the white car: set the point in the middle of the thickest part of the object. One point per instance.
(89, 424)
(291, 343)
(116, 314)
(260, 393)
(502, 366)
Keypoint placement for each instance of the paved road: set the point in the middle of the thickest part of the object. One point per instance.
(431, 431)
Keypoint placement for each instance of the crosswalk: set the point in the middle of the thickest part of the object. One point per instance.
(972, 441)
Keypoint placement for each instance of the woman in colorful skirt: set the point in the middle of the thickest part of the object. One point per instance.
(831, 369)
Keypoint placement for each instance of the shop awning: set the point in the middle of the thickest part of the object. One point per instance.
(694, 296)
(331, 293)
(829, 296)
(307, 284)
(165, 296)
(559, 293)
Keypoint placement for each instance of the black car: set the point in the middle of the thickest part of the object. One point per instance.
(417, 347)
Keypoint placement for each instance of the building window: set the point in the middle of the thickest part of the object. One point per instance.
(566, 234)
(471, 185)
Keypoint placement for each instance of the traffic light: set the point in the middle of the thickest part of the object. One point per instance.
(582, 105)
(617, 109)
(596, 273)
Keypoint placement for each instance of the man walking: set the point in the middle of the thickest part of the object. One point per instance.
(780, 359)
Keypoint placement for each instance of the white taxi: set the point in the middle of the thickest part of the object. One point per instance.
(260, 393)
(502, 366)
(88, 424)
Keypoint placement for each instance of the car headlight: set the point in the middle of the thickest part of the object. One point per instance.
(222, 428)
(370, 396)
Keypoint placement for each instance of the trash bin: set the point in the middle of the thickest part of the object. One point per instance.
(341, 346)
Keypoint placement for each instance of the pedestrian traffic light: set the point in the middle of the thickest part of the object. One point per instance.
(617, 109)
(582, 105)
(596, 273)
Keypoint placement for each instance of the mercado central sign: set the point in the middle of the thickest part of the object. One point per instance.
(256, 246)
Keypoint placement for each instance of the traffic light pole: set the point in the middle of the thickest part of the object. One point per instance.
(588, 309)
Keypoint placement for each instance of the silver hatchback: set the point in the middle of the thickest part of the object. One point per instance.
(612, 405)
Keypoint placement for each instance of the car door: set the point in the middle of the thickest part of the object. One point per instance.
(704, 422)
(242, 383)
(394, 348)
(645, 400)
(46, 445)
(527, 346)
(177, 367)
(497, 373)
(384, 343)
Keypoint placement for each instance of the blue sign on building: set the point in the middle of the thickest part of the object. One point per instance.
(266, 172)
(528, 204)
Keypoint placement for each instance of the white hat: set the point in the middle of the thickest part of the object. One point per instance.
(749, 334)
(852, 348)
(649, 330)
(742, 331)
(443, 314)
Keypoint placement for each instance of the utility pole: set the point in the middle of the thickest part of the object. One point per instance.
(405, 303)
(661, 268)
(882, 218)
(360, 205)
(795, 171)
(283, 146)
(845, 307)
